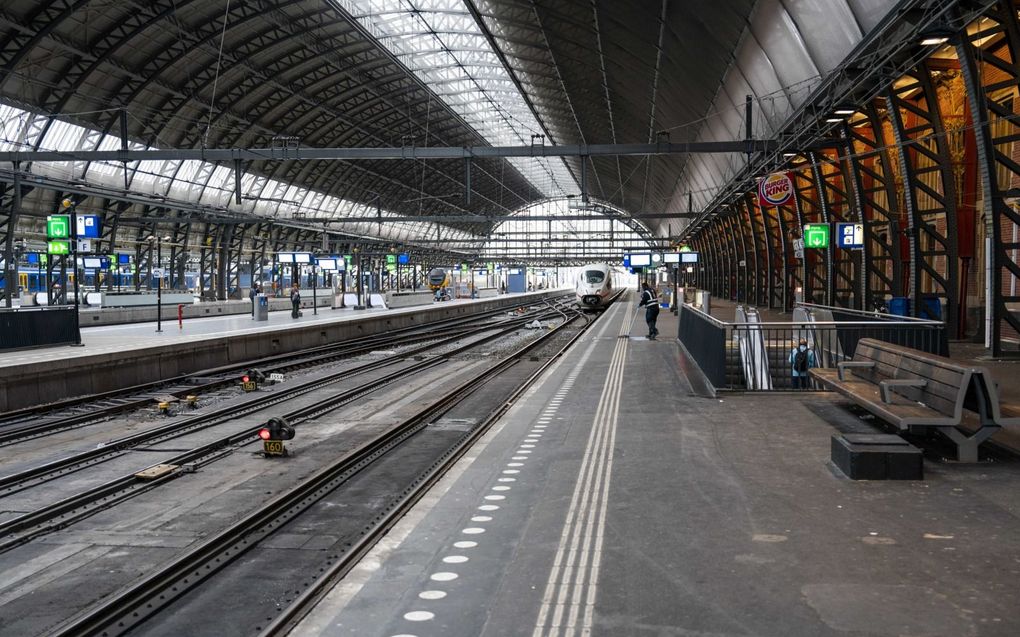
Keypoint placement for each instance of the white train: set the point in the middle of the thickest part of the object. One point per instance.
(594, 286)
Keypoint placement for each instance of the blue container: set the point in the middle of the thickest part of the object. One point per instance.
(899, 305)
(931, 308)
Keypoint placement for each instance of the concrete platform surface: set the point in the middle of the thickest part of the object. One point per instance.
(613, 501)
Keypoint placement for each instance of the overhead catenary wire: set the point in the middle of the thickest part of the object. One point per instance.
(216, 75)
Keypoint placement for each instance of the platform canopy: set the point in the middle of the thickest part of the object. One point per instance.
(287, 74)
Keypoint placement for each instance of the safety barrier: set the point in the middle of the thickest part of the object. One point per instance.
(752, 355)
(704, 338)
(37, 326)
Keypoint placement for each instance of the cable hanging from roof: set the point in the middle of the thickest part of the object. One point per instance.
(216, 76)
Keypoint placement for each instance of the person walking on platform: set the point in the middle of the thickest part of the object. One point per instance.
(295, 301)
(802, 359)
(650, 302)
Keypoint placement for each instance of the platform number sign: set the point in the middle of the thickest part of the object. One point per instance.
(816, 235)
(850, 236)
(58, 227)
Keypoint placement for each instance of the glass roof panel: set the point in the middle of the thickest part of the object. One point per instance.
(543, 239)
(201, 182)
(441, 44)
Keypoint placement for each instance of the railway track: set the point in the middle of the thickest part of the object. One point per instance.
(27, 424)
(22, 528)
(408, 457)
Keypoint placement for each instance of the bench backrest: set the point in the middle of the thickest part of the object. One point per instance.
(949, 389)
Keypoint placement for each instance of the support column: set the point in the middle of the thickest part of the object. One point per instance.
(986, 70)
(929, 193)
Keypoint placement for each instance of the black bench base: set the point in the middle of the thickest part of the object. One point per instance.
(876, 457)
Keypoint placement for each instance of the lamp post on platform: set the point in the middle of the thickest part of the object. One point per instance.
(159, 277)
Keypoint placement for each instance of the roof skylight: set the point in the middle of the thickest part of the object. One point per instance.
(441, 44)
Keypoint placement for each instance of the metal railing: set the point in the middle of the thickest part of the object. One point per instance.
(752, 355)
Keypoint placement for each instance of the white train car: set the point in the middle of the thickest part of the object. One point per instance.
(594, 286)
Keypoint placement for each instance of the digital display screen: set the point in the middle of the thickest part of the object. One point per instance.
(688, 257)
(93, 263)
(285, 257)
(640, 260)
(515, 270)
(123, 259)
(302, 257)
(327, 264)
(671, 257)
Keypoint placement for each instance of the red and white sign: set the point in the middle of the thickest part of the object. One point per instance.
(775, 189)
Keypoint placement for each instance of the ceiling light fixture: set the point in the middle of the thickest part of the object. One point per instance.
(936, 35)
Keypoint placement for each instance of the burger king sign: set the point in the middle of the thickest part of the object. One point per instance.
(775, 189)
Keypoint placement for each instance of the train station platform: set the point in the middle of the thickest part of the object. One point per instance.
(612, 499)
(116, 356)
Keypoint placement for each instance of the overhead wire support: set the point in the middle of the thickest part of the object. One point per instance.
(305, 153)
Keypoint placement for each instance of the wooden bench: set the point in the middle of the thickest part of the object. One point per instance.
(915, 390)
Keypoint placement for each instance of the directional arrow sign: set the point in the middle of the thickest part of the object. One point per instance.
(816, 235)
(58, 227)
(58, 247)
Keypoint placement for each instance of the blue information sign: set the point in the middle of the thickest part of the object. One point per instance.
(850, 236)
(88, 226)
(403, 259)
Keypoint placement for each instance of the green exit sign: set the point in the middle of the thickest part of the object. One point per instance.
(391, 259)
(58, 247)
(816, 235)
(58, 227)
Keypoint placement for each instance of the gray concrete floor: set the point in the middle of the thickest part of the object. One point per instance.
(612, 501)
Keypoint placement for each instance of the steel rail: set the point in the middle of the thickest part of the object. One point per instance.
(34, 411)
(18, 481)
(290, 615)
(120, 612)
(112, 491)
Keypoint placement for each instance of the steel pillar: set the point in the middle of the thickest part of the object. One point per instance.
(929, 193)
(991, 72)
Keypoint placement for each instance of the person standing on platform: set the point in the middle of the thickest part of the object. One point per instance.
(802, 359)
(650, 301)
(295, 301)
(256, 289)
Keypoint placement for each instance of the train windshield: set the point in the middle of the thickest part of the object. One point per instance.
(594, 276)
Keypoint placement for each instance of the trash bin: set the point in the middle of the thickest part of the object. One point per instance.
(261, 307)
(899, 305)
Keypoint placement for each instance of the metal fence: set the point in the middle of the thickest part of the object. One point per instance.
(37, 327)
(752, 355)
(704, 338)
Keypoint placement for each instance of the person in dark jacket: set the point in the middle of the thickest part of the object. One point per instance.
(295, 301)
(650, 301)
(256, 289)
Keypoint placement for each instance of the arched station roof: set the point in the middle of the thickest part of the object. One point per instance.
(188, 74)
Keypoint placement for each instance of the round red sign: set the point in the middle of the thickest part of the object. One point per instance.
(775, 190)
